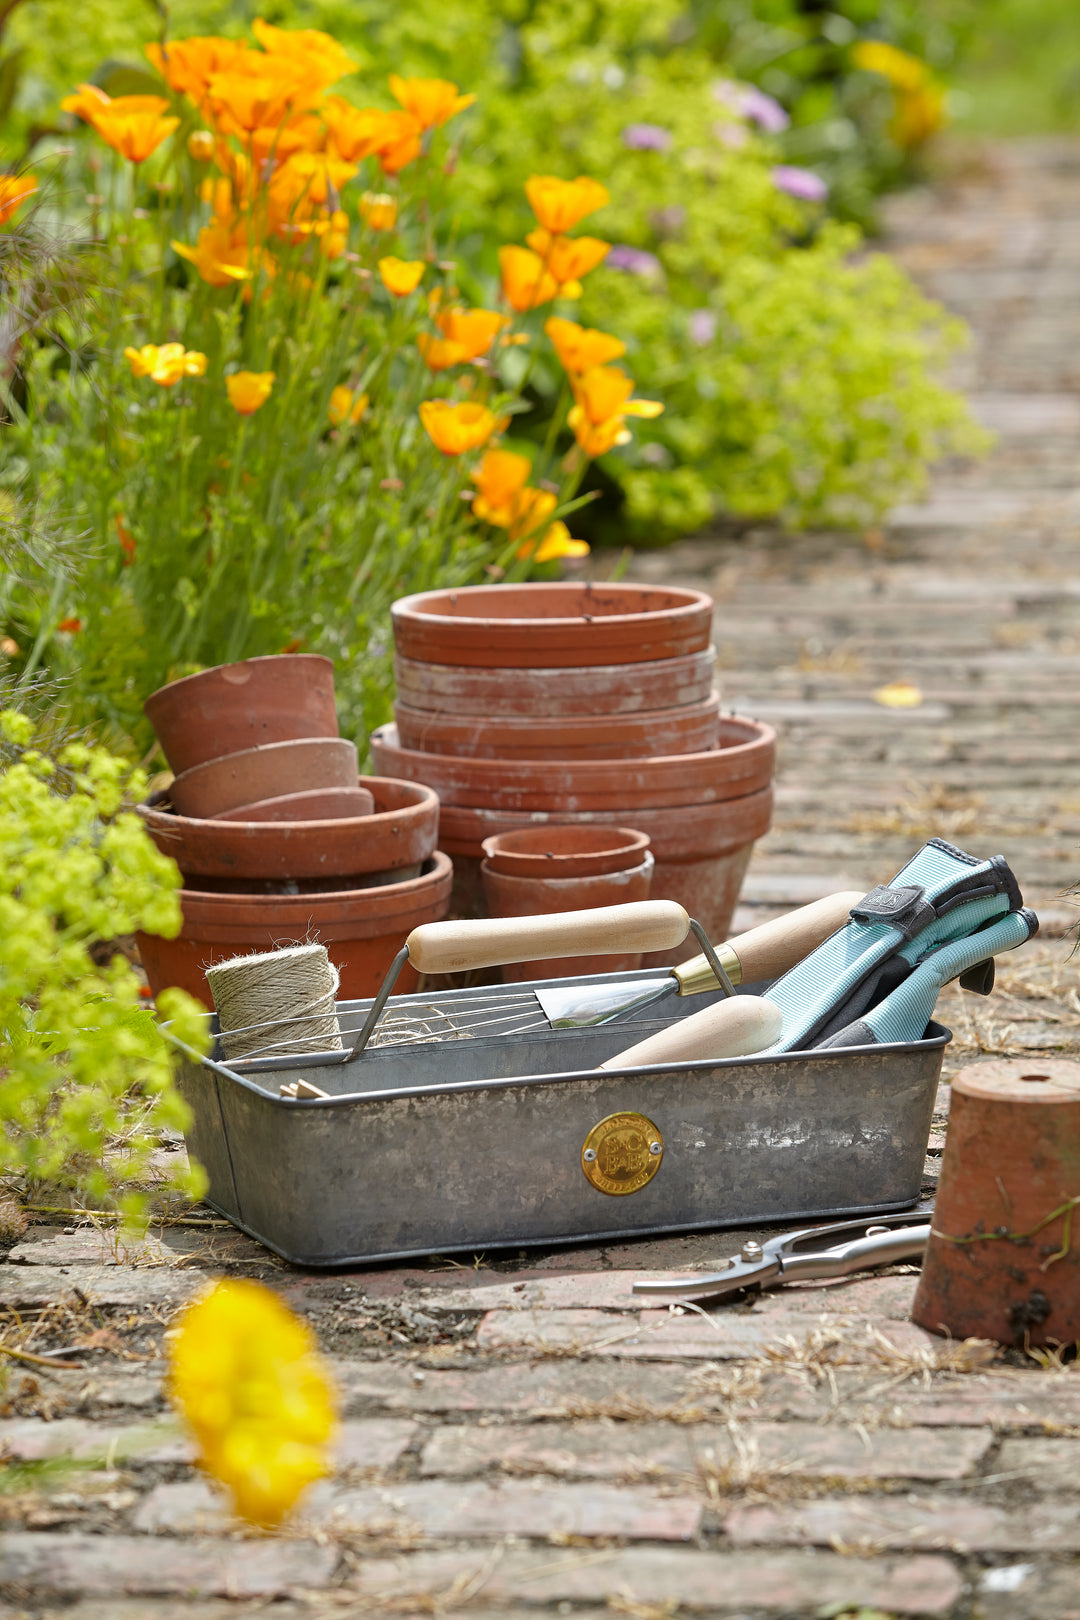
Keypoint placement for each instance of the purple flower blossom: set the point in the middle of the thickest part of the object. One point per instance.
(635, 260)
(763, 110)
(646, 137)
(732, 135)
(800, 182)
(668, 221)
(701, 326)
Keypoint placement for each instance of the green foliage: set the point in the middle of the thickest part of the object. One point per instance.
(85, 1080)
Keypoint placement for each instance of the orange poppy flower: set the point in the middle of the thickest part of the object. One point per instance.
(400, 276)
(568, 257)
(401, 144)
(474, 330)
(555, 544)
(262, 96)
(87, 101)
(596, 438)
(126, 539)
(70, 626)
(457, 428)
(14, 190)
(346, 405)
(602, 392)
(134, 126)
(273, 143)
(165, 363)
(200, 145)
(559, 205)
(378, 210)
(430, 101)
(356, 132)
(499, 480)
(579, 348)
(526, 283)
(188, 65)
(223, 255)
(318, 52)
(438, 354)
(248, 390)
(530, 510)
(307, 177)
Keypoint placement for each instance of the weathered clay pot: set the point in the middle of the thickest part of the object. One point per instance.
(1003, 1261)
(362, 929)
(559, 851)
(266, 772)
(240, 706)
(401, 833)
(702, 852)
(317, 804)
(688, 730)
(665, 683)
(742, 764)
(535, 896)
(542, 626)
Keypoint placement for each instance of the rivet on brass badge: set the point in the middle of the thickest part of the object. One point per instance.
(622, 1153)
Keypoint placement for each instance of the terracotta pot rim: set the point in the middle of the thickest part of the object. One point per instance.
(682, 600)
(152, 807)
(556, 672)
(185, 682)
(286, 799)
(615, 850)
(564, 884)
(435, 869)
(199, 779)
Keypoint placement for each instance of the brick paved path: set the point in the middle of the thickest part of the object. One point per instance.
(520, 1436)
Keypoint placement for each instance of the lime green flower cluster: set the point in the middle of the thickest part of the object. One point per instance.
(85, 1077)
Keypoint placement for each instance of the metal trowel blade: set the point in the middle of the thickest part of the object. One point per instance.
(579, 1006)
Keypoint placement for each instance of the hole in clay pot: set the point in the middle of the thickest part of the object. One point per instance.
(1035, 1077)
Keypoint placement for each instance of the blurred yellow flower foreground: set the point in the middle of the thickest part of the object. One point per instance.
(247, 1376)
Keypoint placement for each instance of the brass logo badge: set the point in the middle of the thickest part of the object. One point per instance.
(622, 1153)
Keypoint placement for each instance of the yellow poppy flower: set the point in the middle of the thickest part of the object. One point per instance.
(200, 145)
(457, 428)
(165, 363)
(499, 480)
(346, 405)
(568, 257)
(248, 390)
(135, 132)
(223, 255)
(579, 348)
(246, 1375)
(430, 101)
(400, 276)
(14, 190)
(901, 69)
(555, 544)
(378, 210)
(559, 205)
(526, 281)
(918, 116)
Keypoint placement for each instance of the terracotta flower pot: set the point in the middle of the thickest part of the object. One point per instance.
(558, 851)
(265, 772)
(701, 850)
(534, 896)
(362, 929)
(741, 764)
(544, 626)
(688, 730)
(665, 683)
(1003, 1261)
(318, 804)
(240, 706)
(401, 833)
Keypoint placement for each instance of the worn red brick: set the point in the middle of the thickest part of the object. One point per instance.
(901, 1523)
(83, 1565)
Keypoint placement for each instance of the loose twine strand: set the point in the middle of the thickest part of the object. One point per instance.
(295, 987)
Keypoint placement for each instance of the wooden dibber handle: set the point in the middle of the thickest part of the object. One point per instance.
(451, 947)
(732, 1028)
(763, 953)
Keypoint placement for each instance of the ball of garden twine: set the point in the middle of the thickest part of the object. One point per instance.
(277, 1003)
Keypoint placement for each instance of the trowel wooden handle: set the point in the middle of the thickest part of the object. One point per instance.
(732, 1028)
(772, 948)
(643, 925)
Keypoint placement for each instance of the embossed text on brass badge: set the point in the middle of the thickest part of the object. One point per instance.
(621, 1153)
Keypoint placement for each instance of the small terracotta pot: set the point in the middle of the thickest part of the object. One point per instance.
(702, 852)
(240, 706)
(742, 764)
(401, 833)
(265, 772)
(665, 683)
(534, 896)
(318, 804)
(544, 626)
(362, 929)
(688, 730)
(558, 851)
(1003, 1261)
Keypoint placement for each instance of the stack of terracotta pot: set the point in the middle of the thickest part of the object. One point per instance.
(579, 703)
(276, 837)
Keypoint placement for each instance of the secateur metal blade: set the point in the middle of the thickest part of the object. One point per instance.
(815, 1252)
